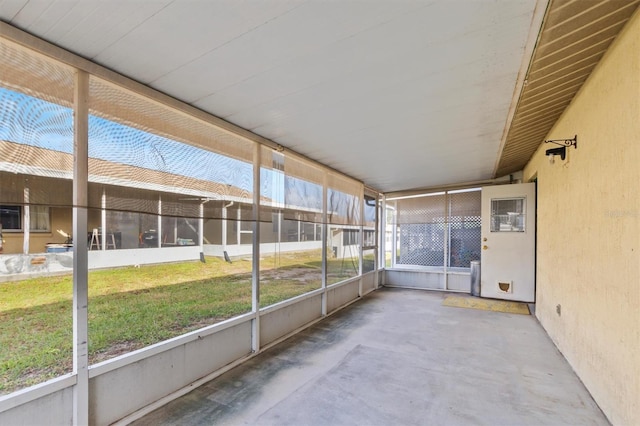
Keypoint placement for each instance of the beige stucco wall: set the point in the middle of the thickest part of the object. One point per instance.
(588, 246)
(60, 219)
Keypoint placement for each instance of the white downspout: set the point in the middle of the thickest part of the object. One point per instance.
(103, 220)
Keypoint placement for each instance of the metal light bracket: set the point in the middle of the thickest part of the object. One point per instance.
(562, 151)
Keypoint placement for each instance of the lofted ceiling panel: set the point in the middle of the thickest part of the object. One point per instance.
(399, 94)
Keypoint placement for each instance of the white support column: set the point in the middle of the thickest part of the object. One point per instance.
(360, 243)
(446, 241)
(224, 228)
(80, 256)
(279, 229)
(382, 237)
(159, 221)
(394, 238)
(325, 228)
(239, 227)
(175, 230)
(255, 272)
(103, 220)
(299, 228)
(201, 227)
(26, 220)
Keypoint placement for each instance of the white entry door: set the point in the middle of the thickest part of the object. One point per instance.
(508, 242)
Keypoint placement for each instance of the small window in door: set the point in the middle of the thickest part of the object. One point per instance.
(508, 215)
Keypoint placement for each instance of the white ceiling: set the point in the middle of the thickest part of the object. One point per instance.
(401, 94)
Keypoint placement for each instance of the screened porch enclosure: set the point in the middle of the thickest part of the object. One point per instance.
(135, 232)
(141, 238)
(434, 237)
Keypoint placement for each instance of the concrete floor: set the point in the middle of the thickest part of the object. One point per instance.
(398, 357)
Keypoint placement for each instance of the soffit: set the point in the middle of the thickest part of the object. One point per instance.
(574, 37)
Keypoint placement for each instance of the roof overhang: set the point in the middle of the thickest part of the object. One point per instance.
(400, 95)
(574, 37)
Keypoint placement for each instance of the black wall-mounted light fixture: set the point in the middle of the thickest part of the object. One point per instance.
(562, 151)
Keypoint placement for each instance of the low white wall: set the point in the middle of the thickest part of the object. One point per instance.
(130, 257)
(277, 322)
(430, 280)
(235, 250)
(368, 282)
(414, 279)
(17, 266)
(459, 281)
(127, 384)
(340, 294)
(55, 408)
(14, 267)
(119, 392)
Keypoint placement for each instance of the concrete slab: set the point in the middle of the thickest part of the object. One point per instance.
(398, 357)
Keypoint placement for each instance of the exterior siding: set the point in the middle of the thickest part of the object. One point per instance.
(588, 245)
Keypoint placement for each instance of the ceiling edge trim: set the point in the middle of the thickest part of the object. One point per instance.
(535, 30)
(506, 179)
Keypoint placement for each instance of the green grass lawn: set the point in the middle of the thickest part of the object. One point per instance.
(130, 308)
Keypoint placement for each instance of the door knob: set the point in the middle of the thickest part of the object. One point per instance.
(484, 247)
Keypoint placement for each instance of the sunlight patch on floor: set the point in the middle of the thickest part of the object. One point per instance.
(486, 304)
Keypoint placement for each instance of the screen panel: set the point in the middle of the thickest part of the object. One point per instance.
(36, 245)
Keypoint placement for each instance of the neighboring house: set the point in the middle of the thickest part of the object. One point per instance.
(156, 210)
